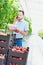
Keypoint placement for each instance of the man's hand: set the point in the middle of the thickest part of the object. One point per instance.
(17, 30)
(14, 29)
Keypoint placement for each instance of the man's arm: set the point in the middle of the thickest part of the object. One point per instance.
(21, 32)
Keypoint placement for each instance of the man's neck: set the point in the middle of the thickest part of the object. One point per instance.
(20, 20)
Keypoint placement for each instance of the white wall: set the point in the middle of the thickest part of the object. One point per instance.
(36, 13)
(24, 7)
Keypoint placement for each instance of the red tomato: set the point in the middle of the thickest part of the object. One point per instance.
(10, 63)
(2, 41)
(17, 47)
(0, 47)
(22, 49)
(3, 48)
(13, 64)
(20, 58)
(14, 49)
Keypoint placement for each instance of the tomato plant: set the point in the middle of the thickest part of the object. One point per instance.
(7, 12)
(30, 24)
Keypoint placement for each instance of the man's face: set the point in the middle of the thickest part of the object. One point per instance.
(20, 15)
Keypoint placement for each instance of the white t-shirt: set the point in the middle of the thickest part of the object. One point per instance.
(21, 25)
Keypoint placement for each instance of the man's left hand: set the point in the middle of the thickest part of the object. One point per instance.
(17, 30)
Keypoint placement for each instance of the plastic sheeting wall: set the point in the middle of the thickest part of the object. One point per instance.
(34, 9)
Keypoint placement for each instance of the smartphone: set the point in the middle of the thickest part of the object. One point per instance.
(17, 17)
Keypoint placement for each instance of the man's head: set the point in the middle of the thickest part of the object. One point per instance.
(20, 14)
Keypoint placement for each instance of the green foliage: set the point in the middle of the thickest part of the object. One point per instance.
(40, 33)
(7, 12)
(30, 25)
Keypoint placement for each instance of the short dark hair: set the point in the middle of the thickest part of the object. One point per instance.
(21, 11)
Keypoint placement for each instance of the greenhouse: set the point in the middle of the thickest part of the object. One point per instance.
(21, 32)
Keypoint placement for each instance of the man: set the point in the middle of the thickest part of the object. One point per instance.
(21, 28)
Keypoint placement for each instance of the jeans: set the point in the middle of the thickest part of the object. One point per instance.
(18, 42)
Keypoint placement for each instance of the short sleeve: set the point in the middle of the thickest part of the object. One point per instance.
(26, 27)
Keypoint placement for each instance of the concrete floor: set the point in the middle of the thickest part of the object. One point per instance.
(35, 56)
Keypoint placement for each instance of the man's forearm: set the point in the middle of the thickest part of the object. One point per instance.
(23, 33)
(19, 31)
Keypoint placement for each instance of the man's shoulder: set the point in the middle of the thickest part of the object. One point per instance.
(25, 22)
